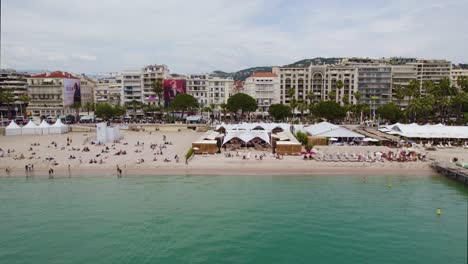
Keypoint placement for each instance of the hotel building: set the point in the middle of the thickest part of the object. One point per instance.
(455, 74)
(47, 94)
(15, 83)
(264, 87)
(152, 74)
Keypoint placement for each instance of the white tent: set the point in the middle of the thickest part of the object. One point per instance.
(44, 126)
(246, 135)
(430, 131)
(105, 133)
(12, 129)
(255, 126)
(340, 132)
(58, 127)
(31, 129)
(320, 128)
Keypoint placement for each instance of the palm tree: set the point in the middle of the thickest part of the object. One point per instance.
(24, 100)
(302, 106)
(399, 95)
(135, 104)
(224, 109)
(339, 85)
(89, 107)
(212, 108)
(311, 96)
(157, 88)
(7, 98)
(332, 96)
(76, 106)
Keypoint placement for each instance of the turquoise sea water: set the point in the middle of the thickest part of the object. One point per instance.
(233, 219)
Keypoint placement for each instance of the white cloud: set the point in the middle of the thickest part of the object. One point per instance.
(206, 35)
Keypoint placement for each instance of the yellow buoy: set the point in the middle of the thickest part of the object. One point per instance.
(439, 212)
(389, 185)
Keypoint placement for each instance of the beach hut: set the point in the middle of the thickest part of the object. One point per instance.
(44, 126)
(58, 127)
(12, 129)
(288, 148)
(31, 129)
(205, 146)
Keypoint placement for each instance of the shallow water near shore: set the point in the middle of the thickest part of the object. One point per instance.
(233, 219)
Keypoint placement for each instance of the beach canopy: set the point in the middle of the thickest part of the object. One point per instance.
(12, 129)
(255, 126)
(315, 130)
(58, 127)
(44, 126)
(340, 132)
(429, 131)
(31, 129)
(370, 140)
(246, 135)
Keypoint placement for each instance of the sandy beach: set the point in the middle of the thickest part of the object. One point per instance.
(137, 148)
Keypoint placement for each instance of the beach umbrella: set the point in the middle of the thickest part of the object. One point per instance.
(312, 153)
(304, 152)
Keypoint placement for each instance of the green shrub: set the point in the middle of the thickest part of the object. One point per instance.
(302, 137)
(189, 154)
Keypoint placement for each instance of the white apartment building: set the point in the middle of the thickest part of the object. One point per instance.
(197, 86)
(374, 85)
(296, 78)
(401, 77)
(109, 90)
(209, 89)
(431, 70)
(455, 73)
(152, 74)
(49, 95)
(131, 86)
(88, 86)
(264, 87)
(218, 90)
(15, 83)
(348, 76)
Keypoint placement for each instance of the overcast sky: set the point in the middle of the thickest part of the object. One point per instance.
(201, 36)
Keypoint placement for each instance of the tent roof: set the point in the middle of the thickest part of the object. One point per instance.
(246, 135)
(30, 124)
(206, 142)
(430, 131)
(254, 126)
(340, 132)
(44, 124)
(12, 125)
(287, 143)
(209, 135)
(58, 123)
(320, 128)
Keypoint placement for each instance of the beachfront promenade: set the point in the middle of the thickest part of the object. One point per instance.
(147, 153)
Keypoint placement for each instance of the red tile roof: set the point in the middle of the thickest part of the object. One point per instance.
(55, 74)
(263, 74)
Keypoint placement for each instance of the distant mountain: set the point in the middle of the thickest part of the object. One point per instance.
(314, 61)
(242, 74)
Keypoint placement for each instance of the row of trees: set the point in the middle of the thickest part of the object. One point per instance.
(7, 99)
(441, 102)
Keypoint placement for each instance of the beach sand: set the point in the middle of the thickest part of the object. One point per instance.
(198, 165)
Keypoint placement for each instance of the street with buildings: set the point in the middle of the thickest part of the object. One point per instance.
(349, 81)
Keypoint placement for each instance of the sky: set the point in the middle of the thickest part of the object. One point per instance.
(100, 36)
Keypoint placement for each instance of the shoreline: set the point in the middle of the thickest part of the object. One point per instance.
(229, 171)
